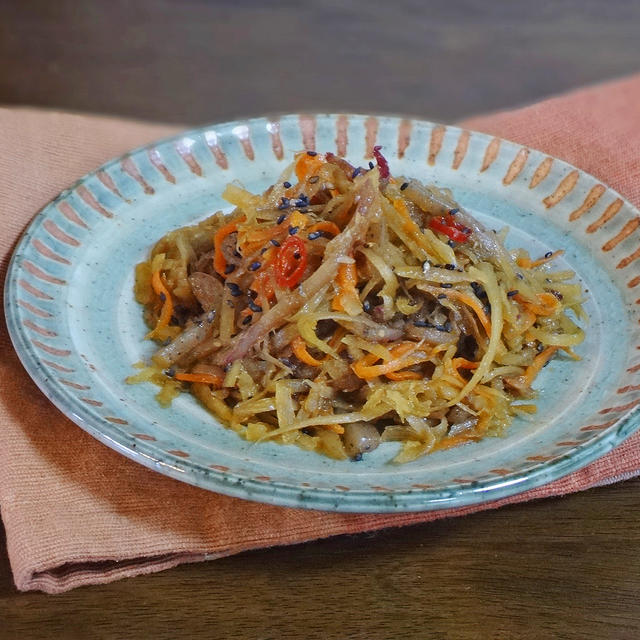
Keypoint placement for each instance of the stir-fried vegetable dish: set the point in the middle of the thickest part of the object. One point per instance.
(344, 307)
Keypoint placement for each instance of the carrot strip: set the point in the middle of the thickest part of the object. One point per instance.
(219, 261)
(463, 363)
(347, 296)
(408, 225)
(402, 356)
(454, 441)
(307, 165)
(474, 303)
(204, 378)
(538, 362)
(547, 304)
(404, 375)
(527, 263)
(297, 219)
(167, 305)
(299, 347)
(336, 428)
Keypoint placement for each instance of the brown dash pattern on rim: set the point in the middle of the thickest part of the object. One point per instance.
(273, 127)
(184, 147)
(461, 149)
(563, 189)
(156, 160)
(129, 167)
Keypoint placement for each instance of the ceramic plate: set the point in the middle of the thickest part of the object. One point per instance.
(78, 330)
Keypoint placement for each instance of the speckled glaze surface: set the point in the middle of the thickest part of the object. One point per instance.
(77, 329)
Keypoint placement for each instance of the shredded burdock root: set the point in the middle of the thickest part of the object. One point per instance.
(344, 307)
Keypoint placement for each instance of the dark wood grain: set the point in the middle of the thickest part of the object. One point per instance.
(194, 61)
(560, 568)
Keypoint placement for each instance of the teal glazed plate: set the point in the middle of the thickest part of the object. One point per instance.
(78, 330)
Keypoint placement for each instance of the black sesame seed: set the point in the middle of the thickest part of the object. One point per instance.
(450, 267)
(210, 316)
(478, 290)
(540, 347)
(548, 254)
(403, 186)
(237, 254)
(274, 242)
(357, 457)
(312, 153)
(252, 294)
(247, 319)
(234, 289)
(366, 305)
(163, 297)
(314, 235)
(452, 212)
(422, 323)
(170, 372)
(356, 172)
(281, 219)
(293, 230)
(519, 276)
(296, 255)
(558, 295)
(512, 293)
(371, 165)
(442, 296)
(314, 179)
(263, 250)
(286, 185)
(451, 243)
(446, 285)
(254, 266)
(254, 307)
(230, 268)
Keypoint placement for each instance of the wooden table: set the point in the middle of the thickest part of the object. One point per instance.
(558, 568)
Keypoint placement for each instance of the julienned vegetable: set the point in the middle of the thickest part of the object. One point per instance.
(344, 307)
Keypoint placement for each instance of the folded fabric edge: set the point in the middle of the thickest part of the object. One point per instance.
(73, 574)
(76, 574)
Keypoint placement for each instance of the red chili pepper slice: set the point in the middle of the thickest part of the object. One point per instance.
(454, 230)
(383, 165)
(450, 220)
(291, 262)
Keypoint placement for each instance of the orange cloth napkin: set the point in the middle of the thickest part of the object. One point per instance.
(77, 513)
